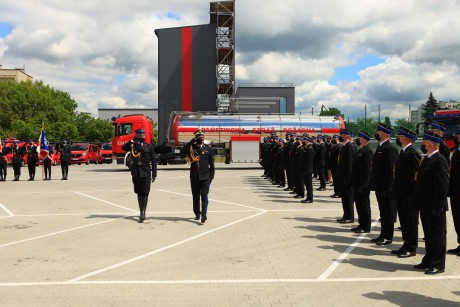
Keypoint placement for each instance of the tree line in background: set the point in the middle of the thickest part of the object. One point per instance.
(26, 105)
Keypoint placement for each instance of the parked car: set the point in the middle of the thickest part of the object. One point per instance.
(83, 153)
(105, 153)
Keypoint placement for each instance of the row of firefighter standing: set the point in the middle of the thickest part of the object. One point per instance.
(406, 184)
(33, 152)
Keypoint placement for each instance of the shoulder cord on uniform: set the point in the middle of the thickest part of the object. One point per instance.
(193, 157)
(132, 152)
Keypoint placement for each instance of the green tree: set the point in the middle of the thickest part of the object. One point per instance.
(405, 123)
(99, 130)
(330, 112)
(430, 106)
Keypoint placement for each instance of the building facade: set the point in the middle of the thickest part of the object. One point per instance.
(15, 74)
(106, 113)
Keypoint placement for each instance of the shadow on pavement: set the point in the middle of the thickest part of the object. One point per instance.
(403, 298)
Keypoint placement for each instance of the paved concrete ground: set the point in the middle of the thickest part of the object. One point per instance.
(78, 243)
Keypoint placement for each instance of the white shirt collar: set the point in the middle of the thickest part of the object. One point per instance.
(380, 144)
(407, 146)
(429, 156)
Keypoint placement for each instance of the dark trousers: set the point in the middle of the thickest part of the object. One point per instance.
(408, 218)
(434, 228)
(322, 176)
(455, 206)
(308, 181)
(387, 208)
(363, 207)
(299, 186)
(200, 189)
(17, 170)
(289, 178)
(347, 202)
(337, 182)
(31, 167)
(281, 178)
(2, 171)
(64, 168)
(47, 167)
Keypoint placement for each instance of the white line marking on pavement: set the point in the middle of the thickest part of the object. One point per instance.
(6, 210)
(62, 231)
(164, 248)
(211, 199)
(224, 281)
(107, 202)
(344, 255)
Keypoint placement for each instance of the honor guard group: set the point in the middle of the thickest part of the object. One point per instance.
(410, 186)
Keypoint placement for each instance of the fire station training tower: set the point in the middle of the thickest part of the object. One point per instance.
(222, 14)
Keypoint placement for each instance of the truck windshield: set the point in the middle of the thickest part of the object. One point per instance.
(124, 129)
(106, 147)
(79, 147)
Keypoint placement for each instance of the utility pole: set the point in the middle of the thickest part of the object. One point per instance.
(365, 117)
(379, 113)
(311, 110)
(410, 113)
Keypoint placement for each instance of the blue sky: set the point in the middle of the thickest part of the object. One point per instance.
(5, 29)
(350, 73)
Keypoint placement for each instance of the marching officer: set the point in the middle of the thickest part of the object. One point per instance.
(47, 160)
(403, 188)
(382, 178)
(280, 166)
(306, 167)
(3, 162)
(440, 129)
(32, 157)
(299, 187)
(65, 153)
(320, 156)
(430, 195)
(18, 154)
(143, 169)
(345, 163)
(454, 190)
(202, 173)
(360, 176)
(333, 163)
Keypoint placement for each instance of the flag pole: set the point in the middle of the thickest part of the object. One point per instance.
(43, 159)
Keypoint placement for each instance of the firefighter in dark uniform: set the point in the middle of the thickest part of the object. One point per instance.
(382, 177)
(403, 189)
(65, 153)
(32, 157)
(454, 189)
(430, 195)
(3, 162)
(280, 166)
(345, 164)
(202, 172)
(18, 154)
(143, 169)
(360, 176)
(333, 163)
(320, 156)
(47, 161)
(298, 176)
(440, 129)
(306, 167)
(290, 143)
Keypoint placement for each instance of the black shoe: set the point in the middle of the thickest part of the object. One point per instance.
(292, 192)
(384, 242)
(336, 196)
(306, 201)
(203, 219)
(287, 189)
(454, 251)
(45, 178)
(66, 178)
(406, 254)
(398, 251)
(321, 189)
(345, 221)
(280, 186)
(362, 231)
(340, 219)
(421, 266)
(376, 239)
(433, 271)
(356, 228)
(297, 196)
(30, 179)
(333, 195)
(62, 178)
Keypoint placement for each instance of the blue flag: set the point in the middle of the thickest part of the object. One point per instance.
(43, 144)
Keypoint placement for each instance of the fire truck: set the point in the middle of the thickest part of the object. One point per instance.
(220, 130)
(451, 120)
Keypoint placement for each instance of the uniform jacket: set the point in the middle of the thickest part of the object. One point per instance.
(320, 155)
(18, 153)
(444, 150)
(146, 164)
(405, 168)
(383, 164)
(432, 185)
(3, 156)
(334, 157)
(306, 159)
(454, 183)
(345, 163)
(204, 169)
(32, 155)
(361, 169)
(66, 152)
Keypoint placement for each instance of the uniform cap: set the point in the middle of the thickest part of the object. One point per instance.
(346, 132)
(457, 132)
(275, 137)
(438, 126)
(335, 136)
(199, 133)
(384, 128)
(307, 138)
(407, 133)
(299, 138)
(320, 137)
(140, 131)
(432, 136)
(364, 135)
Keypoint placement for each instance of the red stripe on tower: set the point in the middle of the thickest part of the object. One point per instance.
(187, 76)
